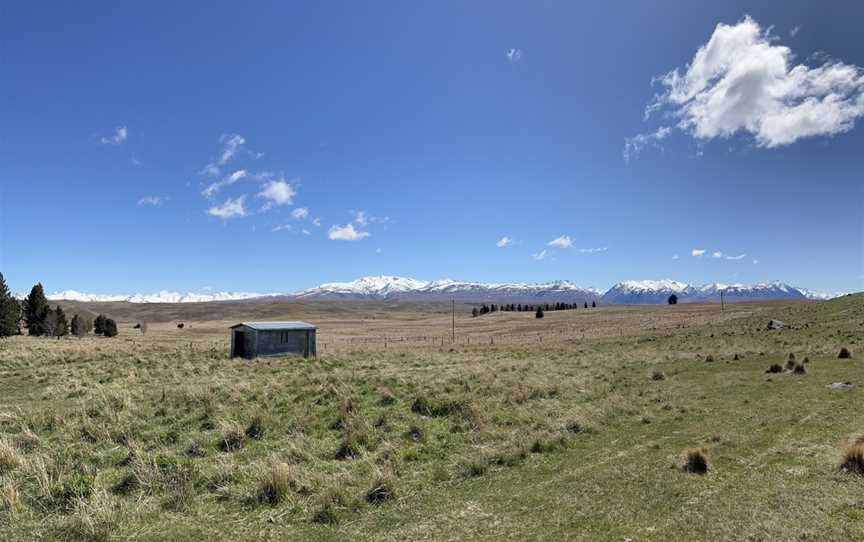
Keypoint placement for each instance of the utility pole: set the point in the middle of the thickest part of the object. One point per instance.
(722, 303)
(453, 320)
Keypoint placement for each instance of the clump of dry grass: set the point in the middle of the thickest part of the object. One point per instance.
(93, 518)
(709, 358)
(790, 364)
(8, 457)
(255, 429)
(327, 509)
(387, 397)
(658, 375)
(383, 489)
(695, 461)
(844, 353)
(233, 436)
(799, 369)
(274, 483)
(853, 458)
(10, 497)
(774, 368)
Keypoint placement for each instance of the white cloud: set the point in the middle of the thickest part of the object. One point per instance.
(213, 188)
(232, 208)
(539, 255)
(277, 193)
(674, 256)
(593, 250)
(360, 218)
(717, 254)
(346, 233)
(299, 213)
(504, 242)
(316, 222)
(697, 252)
(738, 257)
(794, 31)
(743, 80)
(755, 262)
(378, 251)
(120, 135)
(306, 232)
(561, 242)
(634, 145)
(231, 145)
(282, 227)
(514, 55)
(152, 200)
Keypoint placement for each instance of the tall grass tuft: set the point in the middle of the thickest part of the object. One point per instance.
(853, 459)
(274, 483)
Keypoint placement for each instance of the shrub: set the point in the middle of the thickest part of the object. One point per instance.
(695, 461)
(790, 364)
(274, 483)
(844, 353)
(853, 459)
(658, 375)
(709, 358)
(575, 426)
(775, 368)
(799, 369)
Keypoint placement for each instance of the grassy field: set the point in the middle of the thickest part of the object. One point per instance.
(570, 427)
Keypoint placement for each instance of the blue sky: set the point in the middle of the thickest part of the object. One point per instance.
(158, 146)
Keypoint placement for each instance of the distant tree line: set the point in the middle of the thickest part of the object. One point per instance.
(518, 307)
(42, 321)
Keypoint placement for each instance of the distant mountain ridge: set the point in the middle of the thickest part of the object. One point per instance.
(391, 288)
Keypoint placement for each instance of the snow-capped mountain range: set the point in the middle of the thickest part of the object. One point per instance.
(388, 288)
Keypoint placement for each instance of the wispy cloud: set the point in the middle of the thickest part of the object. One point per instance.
(346, 233)
(674, 256)
(213, 188)
(231, 144)
(717, 254)
(540, 255)
(299, 213)
(738, 257)
(593, 250)
(283, 227)
(119, 136)
(232, 208)
(697, 252)
(634, 145)
(316, 222)
(794, 31)
(504, 242)
(154, 201)
(514, 55)
(744, 81)
(561, 242)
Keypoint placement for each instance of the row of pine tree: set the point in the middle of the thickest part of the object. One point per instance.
(43, 321)
(518, 307)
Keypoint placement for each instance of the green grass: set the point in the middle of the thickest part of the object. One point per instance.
(568, 439)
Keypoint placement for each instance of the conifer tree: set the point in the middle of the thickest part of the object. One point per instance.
(9, 311)
(474, 312)
(593, 304)
(110, 328)
(99, 325)
(61, 326)
(539, 313)
(36, 310)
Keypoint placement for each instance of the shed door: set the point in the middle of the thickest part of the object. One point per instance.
(240, 344)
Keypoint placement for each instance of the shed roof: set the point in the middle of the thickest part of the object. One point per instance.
(262, 326)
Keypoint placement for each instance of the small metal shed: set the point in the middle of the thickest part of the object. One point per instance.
(260, 339)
